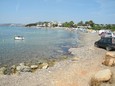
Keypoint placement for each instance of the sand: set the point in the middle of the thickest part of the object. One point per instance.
(76, 71)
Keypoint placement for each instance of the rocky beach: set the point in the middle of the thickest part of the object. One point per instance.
(88, 67)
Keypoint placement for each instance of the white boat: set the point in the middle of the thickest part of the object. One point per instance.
(19, 38)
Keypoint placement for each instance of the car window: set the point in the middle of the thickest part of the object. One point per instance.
(106, 40)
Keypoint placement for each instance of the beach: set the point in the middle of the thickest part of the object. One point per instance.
(76, 71)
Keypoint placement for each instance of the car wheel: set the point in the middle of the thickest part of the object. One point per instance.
(108, 48)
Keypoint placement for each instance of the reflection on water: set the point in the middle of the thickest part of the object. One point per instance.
(38, 44)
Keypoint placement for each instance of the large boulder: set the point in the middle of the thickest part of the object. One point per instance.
(112, 54)
(109, 59)
(101, 76)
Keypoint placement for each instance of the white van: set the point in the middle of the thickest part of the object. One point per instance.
(104, 31)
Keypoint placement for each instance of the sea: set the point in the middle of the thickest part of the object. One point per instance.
(38, 44)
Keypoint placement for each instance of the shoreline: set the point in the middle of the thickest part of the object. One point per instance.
(50, 61)
(70, 53)
(76, 71)
(16, 61)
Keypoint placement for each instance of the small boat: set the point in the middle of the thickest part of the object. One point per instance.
(19, 38)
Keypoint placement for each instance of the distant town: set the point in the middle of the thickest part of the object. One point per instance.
(85, 25)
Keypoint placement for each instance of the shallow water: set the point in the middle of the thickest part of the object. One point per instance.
(38, 44)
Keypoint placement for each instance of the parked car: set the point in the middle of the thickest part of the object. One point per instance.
(106, 42)
(110, 34)
(104, 31)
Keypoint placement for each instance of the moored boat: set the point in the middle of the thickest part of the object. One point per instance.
(19, 38)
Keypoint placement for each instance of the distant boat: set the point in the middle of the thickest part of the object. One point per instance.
(19, 38)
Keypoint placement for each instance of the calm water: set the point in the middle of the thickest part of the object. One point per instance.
(38, 44)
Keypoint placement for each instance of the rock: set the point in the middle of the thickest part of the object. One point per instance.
(34, 66)
(101, 76)
(75, 58)
(13, 69)
(112, 54)
(22, 64)
(111, 62)
(109, 59)
(114, 62)
(44, 65)
(13, 66)
(23, 68)
(26, 69)
(3, 70)
(72, 51)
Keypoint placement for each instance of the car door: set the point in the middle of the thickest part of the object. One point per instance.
(101, 42)
(106, 42)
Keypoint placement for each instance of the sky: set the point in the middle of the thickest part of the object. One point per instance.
(30, 11)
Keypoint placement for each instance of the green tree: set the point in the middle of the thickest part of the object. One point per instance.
(108, 26)
(71, 24)
(68, 24)
(91, 23)
(97, 27)
(30, 25)
(75, 25)
(87, 23)
(80, 23)
(65, 24)
(113, 27)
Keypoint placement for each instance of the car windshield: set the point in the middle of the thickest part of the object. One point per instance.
(113, 40)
